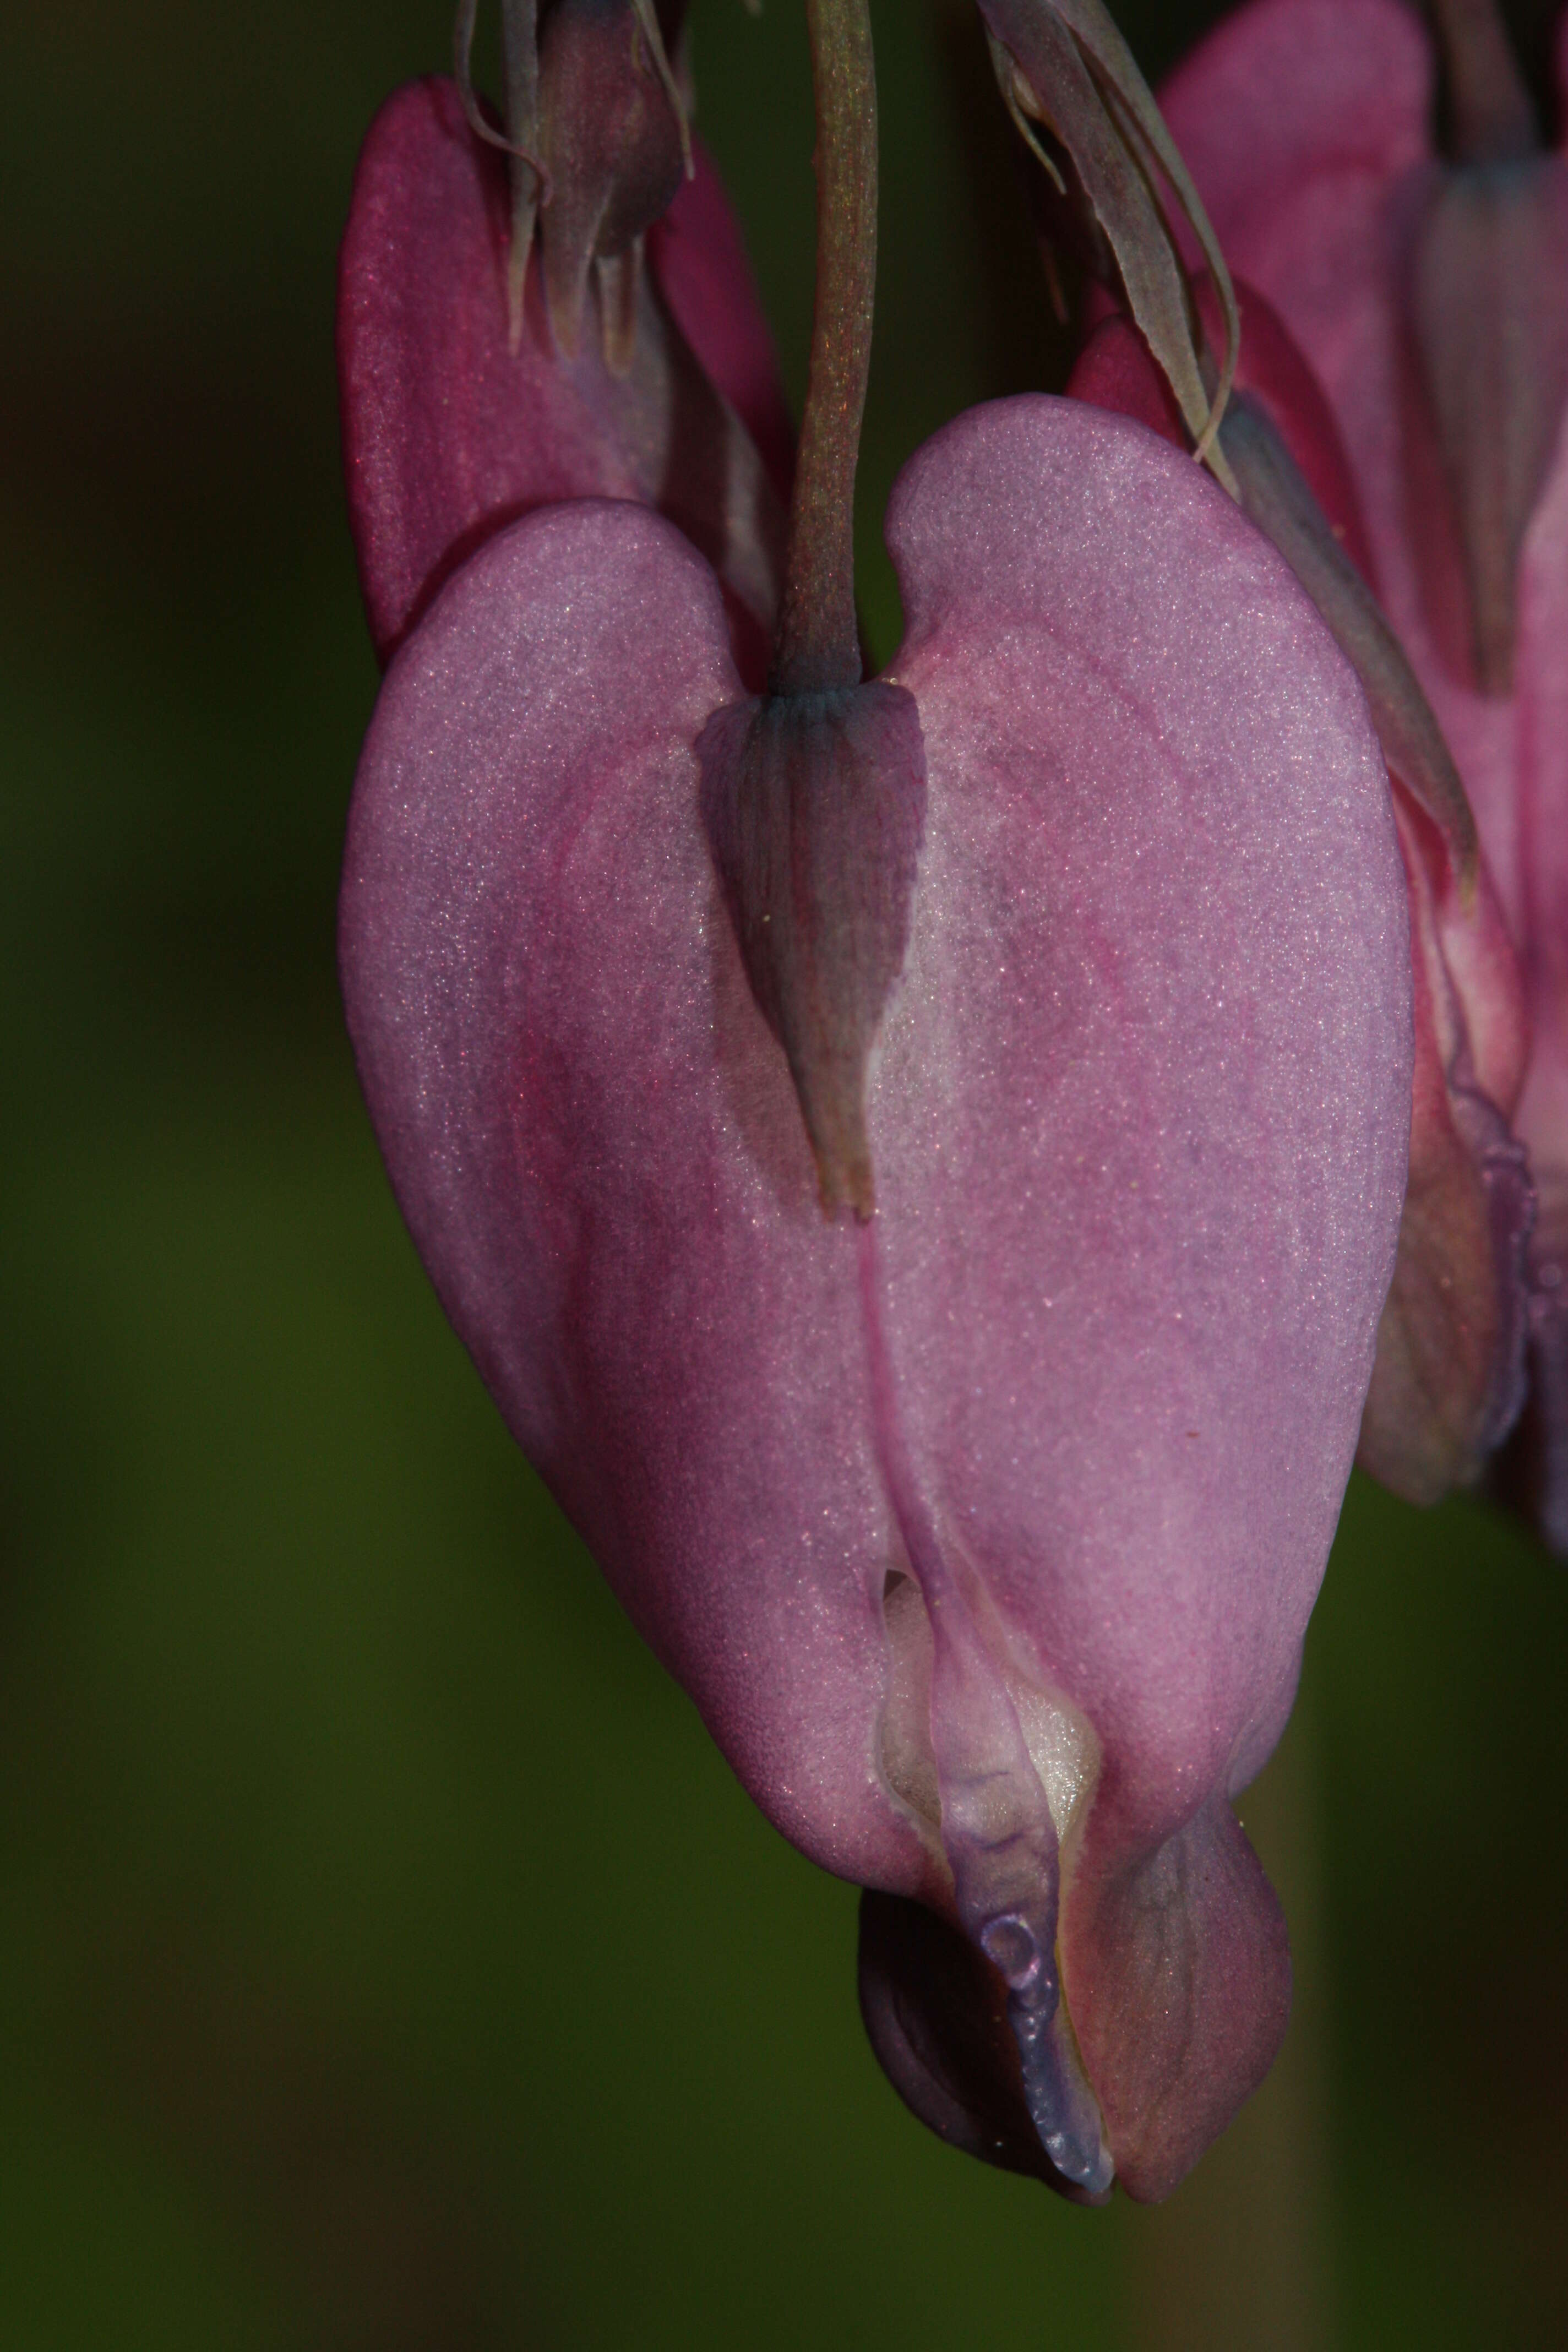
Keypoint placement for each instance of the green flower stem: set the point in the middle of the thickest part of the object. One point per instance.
(818, 647)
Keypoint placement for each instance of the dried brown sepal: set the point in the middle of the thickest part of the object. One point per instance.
(1531, 1474)
(1063, 63)
(815, 806)
(1447, 1377)
(618, 278)
(614, 138)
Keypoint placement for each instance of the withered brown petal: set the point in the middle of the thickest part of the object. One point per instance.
(815, 806)
(1122, 202)
(1070, 55)
(613, 142)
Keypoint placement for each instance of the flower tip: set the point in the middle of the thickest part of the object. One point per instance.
(935, 2013)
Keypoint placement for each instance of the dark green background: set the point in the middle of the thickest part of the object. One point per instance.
(386, 1958)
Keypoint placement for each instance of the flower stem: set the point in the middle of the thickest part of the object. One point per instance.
(818, 647)
(1493, 119)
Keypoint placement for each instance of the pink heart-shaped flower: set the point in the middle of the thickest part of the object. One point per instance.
(983, 1534)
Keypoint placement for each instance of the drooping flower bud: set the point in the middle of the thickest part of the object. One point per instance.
(451, 429)
(597, 134)
(614, 139)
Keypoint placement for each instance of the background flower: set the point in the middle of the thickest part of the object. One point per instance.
(1312, 130)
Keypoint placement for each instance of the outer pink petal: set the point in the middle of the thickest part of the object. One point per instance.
(597, 1146)
(1140, 1127)
(1296, 103)
(448, 434)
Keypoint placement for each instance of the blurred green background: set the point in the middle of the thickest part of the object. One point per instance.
(386, 1958)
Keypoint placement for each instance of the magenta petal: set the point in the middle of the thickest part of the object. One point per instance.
(1116, 371)
(1185, 1968)
(1542, 746)
(448, 433)
(1541, 702)
(1305, 124)
(1296, 109)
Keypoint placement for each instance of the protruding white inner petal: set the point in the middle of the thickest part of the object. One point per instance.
(1062, 1750)
(1062, 1747)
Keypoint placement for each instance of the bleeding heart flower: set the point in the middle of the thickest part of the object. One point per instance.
(1431, 298)
(1448, 1379)
(1066, 966)
(985, 1534)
